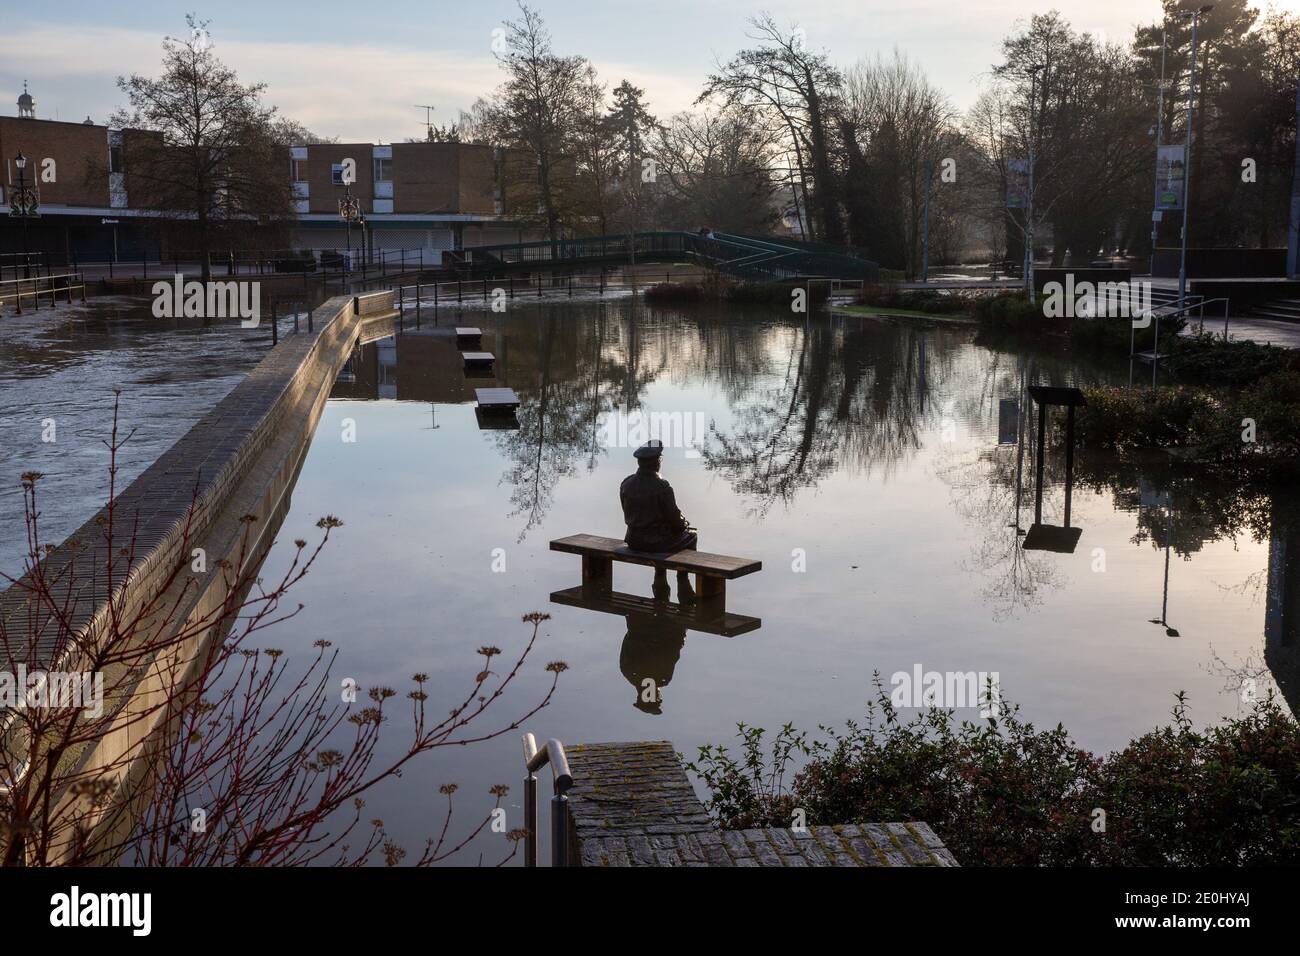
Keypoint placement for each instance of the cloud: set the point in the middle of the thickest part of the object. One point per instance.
(358, 92)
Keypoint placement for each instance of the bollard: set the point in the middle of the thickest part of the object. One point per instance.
(417, 303)
(275, 327)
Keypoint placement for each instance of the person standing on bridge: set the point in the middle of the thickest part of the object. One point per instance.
(654, 522)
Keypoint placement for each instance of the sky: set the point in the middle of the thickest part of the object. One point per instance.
(356, 71)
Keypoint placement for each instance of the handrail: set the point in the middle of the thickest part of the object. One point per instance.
(1169, 312)
(35, 292)
(561, 781)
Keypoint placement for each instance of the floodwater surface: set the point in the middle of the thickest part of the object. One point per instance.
(881, 473)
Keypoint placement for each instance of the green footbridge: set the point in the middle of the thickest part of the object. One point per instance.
(744, 257)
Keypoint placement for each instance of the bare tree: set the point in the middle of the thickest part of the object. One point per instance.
(781, 78)
(907, 127)
(210, 160)
(538, 110)
(714, 168)
(193, 746)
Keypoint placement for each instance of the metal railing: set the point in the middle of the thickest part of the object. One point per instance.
(33, 289)
(451, 292)
(1169, 312)
(562, 780)
(743, 256)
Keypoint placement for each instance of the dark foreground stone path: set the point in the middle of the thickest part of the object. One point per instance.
(632, 805)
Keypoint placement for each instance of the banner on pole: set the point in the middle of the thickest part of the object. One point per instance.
(1017, 183)
(1170, 161)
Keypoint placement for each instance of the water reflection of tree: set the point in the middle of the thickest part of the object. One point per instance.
(853, 395)
(557, 381)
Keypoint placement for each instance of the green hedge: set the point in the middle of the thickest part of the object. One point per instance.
(1001, 792)
(1218, 423)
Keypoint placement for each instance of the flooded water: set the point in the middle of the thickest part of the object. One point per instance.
(58, 371)
(859, 460)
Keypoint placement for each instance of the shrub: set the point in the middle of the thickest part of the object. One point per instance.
(1127, 419)
(1003, 793)
(674, 292)
(1182, 416)
(888, 296)
(1010, 312)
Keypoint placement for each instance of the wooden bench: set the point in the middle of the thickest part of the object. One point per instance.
(712, 571)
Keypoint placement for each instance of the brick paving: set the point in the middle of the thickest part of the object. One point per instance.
(632, 805)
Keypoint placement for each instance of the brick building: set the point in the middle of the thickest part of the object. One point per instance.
(431, 196)
(434, 196)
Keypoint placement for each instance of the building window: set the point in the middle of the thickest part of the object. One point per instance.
(299, 168)
(336, 174)
(383, 170)
(115, 159)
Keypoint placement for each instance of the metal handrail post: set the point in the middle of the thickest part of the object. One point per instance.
(530, 820)
(559, 830)
(534, 759)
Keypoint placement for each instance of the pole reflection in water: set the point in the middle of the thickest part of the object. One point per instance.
(1044, 537)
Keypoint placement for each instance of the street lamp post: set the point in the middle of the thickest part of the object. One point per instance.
(1195, 17)
(925, 234)
(22, 205)
(1029, 199)
(1160, 132)
(350, 211)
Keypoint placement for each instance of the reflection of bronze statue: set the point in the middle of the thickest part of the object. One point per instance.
(651, 648)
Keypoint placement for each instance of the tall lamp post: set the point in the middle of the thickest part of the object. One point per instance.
(1195, 17)
(350, 211)
(1160, 131)
(1029, 199)
(23, 205)
(925, 234)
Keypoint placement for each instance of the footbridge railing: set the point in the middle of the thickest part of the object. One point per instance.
(745, 257)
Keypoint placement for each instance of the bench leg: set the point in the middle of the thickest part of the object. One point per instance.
(597, 573)
(712, 590)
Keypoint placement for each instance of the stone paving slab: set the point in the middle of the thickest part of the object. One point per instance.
(633, 805)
